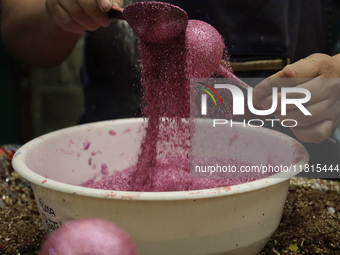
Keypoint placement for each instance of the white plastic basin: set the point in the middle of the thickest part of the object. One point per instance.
(236, 220)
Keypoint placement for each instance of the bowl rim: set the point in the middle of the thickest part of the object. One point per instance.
(21, 168)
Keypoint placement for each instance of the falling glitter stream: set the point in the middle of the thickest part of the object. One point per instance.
(166, 94)
(165, 77)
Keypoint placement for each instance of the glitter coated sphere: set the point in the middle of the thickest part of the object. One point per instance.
(88, 236)
(204, 48)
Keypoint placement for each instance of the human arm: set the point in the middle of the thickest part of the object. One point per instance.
(321, 75)
(44, 32)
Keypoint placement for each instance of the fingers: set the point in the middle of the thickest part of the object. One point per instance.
(315, 133)
(292, 75)
(62, 18)
(94, 12)
(76, 16)
(319, 88)
(318, 75)
(106, 5)
(79, 15)
(309, 67)
(264, 89)
(320, 112)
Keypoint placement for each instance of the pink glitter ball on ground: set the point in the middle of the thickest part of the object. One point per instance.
(88, 236)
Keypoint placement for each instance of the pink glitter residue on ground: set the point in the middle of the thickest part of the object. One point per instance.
(171, 174)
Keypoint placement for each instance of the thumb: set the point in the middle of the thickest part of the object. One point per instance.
(118, 3)
(106, 5)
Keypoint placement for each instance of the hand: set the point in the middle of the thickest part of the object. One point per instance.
(76, 16)
(321, 75)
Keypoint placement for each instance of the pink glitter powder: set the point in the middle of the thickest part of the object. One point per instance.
(167, 66)
(86, 145)
(166, 93)
(171, 174)
(104, 170)
(156, 21)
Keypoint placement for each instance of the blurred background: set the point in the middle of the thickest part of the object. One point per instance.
(35, 101)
